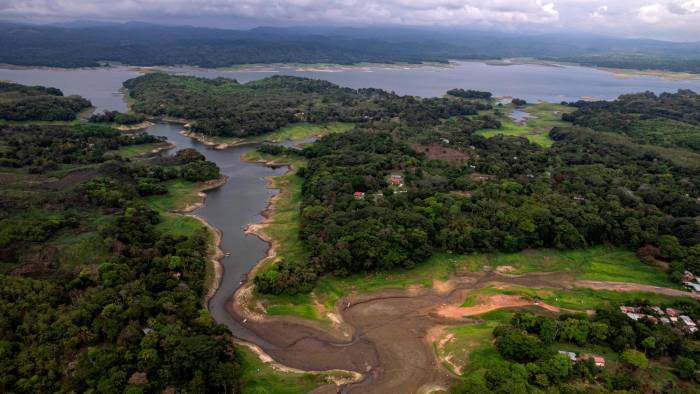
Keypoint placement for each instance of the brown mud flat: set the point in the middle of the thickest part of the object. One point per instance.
(392, 333)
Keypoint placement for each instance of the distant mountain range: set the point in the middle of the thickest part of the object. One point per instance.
(87, 43)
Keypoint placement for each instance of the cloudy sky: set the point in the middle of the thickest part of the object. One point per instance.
(663, 19)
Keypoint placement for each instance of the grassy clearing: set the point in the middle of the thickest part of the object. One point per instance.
(596, 263)
(258, 377)
(181, 193)
(130, 151)
(577, 299)
(299, 131)
(544, 117)
(296, 131)
(176, 225)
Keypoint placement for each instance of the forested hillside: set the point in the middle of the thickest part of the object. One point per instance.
(100, 292)
(152, 45)
(224, 107)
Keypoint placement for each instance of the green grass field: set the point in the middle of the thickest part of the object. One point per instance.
(296, 131)
(258, 377)
(181, 193)
(577, 299)
(545, 116)
(596, 263)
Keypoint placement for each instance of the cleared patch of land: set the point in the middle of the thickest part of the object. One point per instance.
(296, 131)
(542, 117)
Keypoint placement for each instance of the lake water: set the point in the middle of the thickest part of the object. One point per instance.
(530, 82)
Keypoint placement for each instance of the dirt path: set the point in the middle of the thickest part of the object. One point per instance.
(491, 303)
(622, 286)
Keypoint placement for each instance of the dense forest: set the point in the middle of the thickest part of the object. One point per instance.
(151, 45)
(224, 107)
(669, 119)
(471, 194)
(20, 103)
(96, 294)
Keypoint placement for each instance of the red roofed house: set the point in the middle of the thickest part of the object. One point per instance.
(599, 361)
(396, 180)
(673, 312)
(359, 195)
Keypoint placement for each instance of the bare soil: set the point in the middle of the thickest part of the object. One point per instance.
(439, 152)
(393, 331)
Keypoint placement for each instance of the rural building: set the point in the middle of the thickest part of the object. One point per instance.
(673, 312)
(599, 361)
(396, 180)
(687, 321)
(688, 276)
(359, 195)
(692, 286)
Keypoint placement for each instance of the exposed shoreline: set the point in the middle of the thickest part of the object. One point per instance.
(622, 73)
(338, 377)
(215, 257)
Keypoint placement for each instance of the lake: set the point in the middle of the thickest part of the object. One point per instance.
(528, 81)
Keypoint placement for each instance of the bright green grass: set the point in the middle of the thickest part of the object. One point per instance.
(535, 129)
(299, 131)
(181, 193)
(596, 263)
(296, 131)
(577, 299)
(176, 225)
(471, 348)
(260, 378)
(296, 305)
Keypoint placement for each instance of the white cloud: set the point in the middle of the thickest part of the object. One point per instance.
(679, 19)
